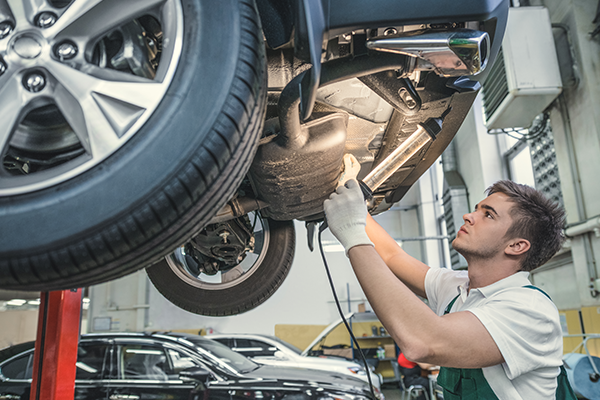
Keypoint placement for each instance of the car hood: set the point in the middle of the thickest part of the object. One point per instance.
(299, 379)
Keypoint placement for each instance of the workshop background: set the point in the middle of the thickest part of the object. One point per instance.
(559, 154)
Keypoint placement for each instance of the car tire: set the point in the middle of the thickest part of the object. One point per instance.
(264, 276)
(165, 182)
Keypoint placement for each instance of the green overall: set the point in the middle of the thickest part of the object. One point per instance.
(470, 384)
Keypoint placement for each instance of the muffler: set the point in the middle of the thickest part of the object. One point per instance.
(448, 53)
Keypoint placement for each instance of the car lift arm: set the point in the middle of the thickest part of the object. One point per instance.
(56, 345)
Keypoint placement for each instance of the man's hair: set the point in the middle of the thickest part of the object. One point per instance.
(535, 218)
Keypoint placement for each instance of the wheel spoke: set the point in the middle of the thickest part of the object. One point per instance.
(11, 109)
(19, 11)
(5, 11)
(124, 88)
(93, 18)
(103, 110)
(72, 112)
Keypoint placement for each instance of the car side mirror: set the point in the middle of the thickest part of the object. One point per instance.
(197, 375)
(280, 354)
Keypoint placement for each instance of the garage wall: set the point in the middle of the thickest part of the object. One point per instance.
(17, 327)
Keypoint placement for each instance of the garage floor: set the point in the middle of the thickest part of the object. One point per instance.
(391, 392)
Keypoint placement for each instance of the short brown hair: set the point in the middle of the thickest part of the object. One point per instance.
(535, 218)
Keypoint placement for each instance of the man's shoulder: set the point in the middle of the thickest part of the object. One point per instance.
(446, 273)
(441, 285)
(528, 294)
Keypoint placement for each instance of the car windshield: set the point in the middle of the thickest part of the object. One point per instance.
(287, 345)
(234, 360)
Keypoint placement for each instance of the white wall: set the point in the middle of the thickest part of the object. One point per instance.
(17, 327)
(478, 155)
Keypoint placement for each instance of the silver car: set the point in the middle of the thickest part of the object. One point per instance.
(271, 350)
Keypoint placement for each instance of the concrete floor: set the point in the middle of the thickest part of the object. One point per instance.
(391, 392)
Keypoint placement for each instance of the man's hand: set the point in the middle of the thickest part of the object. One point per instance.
(346, 214)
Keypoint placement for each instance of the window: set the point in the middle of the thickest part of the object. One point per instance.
(18, 368)
(148, 362)
(222, 355)
(180, 361)
(254, 348)
(91, 358)
(227, 342)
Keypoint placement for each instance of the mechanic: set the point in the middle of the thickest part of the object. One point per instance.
(493, 334)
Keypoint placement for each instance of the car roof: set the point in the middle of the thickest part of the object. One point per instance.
(241, 335)
(13, 350)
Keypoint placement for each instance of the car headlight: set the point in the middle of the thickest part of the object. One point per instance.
(349, 396)
(342, 396)
(357, 370)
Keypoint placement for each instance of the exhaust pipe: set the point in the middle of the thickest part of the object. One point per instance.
(449, 53)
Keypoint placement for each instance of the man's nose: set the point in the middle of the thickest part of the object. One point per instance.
(468, 218)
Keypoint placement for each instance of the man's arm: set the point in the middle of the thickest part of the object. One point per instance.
(455, 340)
(407, 268)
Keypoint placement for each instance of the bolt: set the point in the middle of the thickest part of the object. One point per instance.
(2, 67)
(390, 31)
(65, 51)
(45, 19)
(224, 234)
(6, 28)
(34, 82)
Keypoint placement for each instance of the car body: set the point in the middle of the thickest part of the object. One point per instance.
(271, 350)
(147, 366)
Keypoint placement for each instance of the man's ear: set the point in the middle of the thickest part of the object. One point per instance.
(517, 247)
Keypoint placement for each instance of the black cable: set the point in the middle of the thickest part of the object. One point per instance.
(322, 227)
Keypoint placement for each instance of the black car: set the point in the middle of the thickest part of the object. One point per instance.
(145, 366)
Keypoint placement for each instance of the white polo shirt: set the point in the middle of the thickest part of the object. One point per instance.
(523, 322)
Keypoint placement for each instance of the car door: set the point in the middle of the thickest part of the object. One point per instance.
(16, 373)
(15, 376)
(149, 370)
(92, 368)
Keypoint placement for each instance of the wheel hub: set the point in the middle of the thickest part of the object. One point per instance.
(27, 47)
(57, 124)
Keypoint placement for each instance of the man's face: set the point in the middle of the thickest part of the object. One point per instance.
(483, 234)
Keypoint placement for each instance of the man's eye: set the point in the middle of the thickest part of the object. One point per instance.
(487, 214)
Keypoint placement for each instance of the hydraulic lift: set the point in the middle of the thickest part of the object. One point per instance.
(59, 326)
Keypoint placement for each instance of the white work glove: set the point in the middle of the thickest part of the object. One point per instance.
(351, 169)
(346, 214)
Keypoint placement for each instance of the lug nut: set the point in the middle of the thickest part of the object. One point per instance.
(34, 82)
(6, 28)
(45, 19)
(65, 51)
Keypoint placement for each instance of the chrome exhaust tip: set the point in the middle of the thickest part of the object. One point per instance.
(448, 53)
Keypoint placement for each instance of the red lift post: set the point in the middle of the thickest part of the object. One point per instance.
(55, 355)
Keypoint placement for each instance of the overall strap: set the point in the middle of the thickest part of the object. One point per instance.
(470, 384)
(447, 311)
(564, 391)
(465, 384)
(537, 288)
